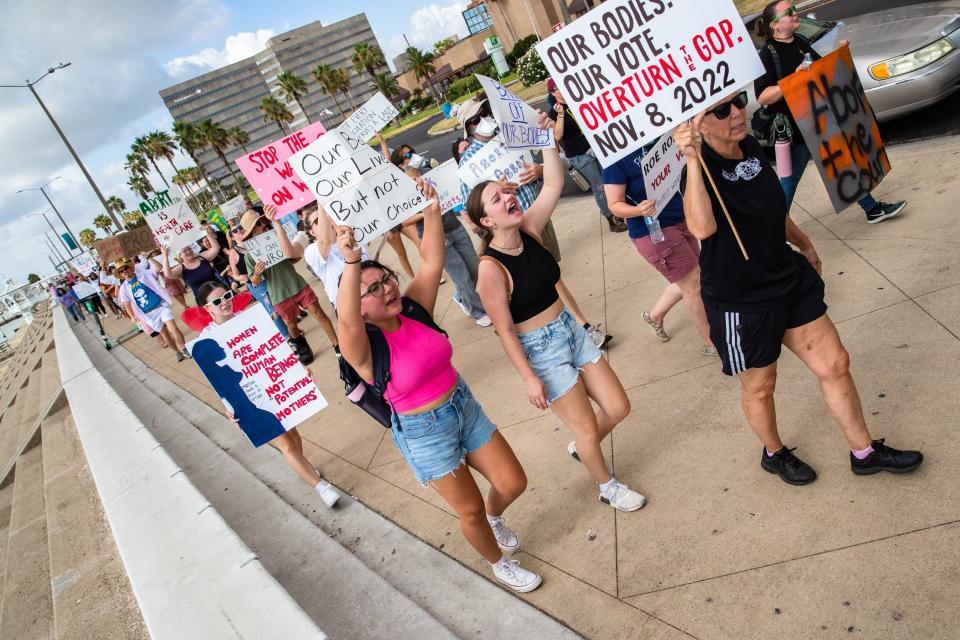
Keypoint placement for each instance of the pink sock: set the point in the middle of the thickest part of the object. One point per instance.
(860, 455)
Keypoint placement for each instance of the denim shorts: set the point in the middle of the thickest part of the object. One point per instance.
(437, 441)
(557, 352)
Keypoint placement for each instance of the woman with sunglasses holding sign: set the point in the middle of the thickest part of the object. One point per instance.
(785, 52)
(775, 298)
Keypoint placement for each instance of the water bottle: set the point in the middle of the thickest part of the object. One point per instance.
(807, 59)
(782, 150)
(653, 226)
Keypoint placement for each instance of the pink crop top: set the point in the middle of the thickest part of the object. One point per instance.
(420, 369)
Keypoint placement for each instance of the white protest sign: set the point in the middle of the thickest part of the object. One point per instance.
(517, 119)
(85, 289)
(265, 248)
(175, 225)
(632, 70)
(84, 263)
(233, 208)
(446, 181)
(357, 186)
(373, 116)
(493, 162)
(256, 375)
(662, 168)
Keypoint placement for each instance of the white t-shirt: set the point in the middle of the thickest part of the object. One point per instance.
(328, 270)
(107, 279)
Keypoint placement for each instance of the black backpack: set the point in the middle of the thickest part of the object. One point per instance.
(371, 399)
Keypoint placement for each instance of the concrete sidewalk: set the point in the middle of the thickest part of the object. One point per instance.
(722, 550)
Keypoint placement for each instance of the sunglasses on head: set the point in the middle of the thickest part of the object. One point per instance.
(226, 297)
(722, 112)
(379, 287)
(792, 11)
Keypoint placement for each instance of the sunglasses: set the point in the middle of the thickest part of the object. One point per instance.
(474, 121)
(236, 230)
(722, 112)
(378, 288)
(792, 11)
(216, 302)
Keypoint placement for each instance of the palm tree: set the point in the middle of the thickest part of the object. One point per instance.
(103, 222)
(87, 237)
(387, 84)
(115, 204)
(162, 145)
(140, 186)
(423, 67)
(276, 111)
(367, 57)
(141, 146)
(132, 219)
(291, 88)
(239, 137)
(324, 76)
(215, 136)
(341, 79)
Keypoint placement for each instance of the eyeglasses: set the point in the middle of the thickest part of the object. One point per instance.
(722, 112)
(378, 288)
(226, 297)
(792, 11)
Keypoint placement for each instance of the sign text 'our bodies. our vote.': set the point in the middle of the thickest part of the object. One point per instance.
(270, 174)
(632, 69)
(357, 186)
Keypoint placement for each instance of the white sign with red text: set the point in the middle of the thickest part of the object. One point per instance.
(662, 168)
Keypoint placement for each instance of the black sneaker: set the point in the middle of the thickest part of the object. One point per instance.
(885, 458)
(789, 467)
(883, 211)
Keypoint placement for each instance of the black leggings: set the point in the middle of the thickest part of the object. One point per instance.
(94, 305)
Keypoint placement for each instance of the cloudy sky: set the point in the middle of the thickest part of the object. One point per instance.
(122, 53)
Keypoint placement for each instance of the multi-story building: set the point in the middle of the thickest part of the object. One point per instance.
(231, 95)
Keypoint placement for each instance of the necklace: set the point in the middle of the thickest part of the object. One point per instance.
(506, 249)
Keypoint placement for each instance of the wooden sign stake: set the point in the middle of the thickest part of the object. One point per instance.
(723, 205)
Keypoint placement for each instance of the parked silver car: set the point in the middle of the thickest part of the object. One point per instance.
(908, 57)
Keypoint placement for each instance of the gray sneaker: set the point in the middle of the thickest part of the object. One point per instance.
(657, 327)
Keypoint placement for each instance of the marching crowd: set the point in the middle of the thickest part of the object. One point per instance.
(385, 334)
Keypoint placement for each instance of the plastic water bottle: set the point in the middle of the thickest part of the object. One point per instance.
(653, 226)
(782, 151)
(807, 59)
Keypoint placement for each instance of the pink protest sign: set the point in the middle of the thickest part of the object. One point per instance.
(271, 175)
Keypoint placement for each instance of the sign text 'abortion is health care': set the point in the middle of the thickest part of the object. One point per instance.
(633, 69)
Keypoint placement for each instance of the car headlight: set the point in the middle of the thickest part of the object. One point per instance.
(912, 61)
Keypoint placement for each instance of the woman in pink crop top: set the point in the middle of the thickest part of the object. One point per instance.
(560, 366)
(436, 422)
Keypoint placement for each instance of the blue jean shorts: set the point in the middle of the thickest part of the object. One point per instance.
(437, 441)
(557, 352)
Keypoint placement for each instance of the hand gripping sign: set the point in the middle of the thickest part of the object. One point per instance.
(517, 119)
(356, 185)
(837, 122)
(633, 69)
(662, 168)
(257, 376)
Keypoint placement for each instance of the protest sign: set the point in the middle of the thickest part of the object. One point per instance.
(160, 200)
(446, 181)
(83, 263)
(838, 126)
(265, 248)
(373, 116)
(217, 220)
(493, 162)
(662, 168)
(175, 225)
(269, 172)
(357, 186)
(85, 289)
(632, 70)
(259, 379)
(233, 208)
(517, 119)
(128, 244)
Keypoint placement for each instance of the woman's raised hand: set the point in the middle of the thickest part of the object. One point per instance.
(688, 138)
(349, 248)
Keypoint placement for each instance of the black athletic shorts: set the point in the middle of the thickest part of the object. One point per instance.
(752, 339)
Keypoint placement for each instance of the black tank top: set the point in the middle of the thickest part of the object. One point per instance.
(195, 278)
(241, 263)
(534, 273)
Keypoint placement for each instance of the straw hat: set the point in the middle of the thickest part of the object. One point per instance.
(248, 221)
(122, 264)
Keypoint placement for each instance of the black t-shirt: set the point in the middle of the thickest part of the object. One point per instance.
(573, 141)
(790, 55)
(755, 200)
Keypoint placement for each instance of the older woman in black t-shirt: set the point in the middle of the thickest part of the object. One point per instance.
(785, 52)
(776, 297)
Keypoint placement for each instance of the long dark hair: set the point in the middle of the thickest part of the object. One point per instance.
(762, 26)
(203, 293)
(475, 213)
(372, 264)
(455, 148)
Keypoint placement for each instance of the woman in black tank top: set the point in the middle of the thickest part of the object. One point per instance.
(558, 363)
(195, 269)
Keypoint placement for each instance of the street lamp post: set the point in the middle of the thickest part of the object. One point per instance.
(55, 248)
(44, 214)
(52, 206)
(83, 169)
(49, 245)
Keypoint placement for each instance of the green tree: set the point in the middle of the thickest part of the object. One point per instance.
(140, 186)
(32, 278)
(132, 219)
(367, 58)
(239, 137)
(103, 222)
(141, 146)
(386, 84)
(423, 67)
(216, 137)
(115, 204)
(188, 137)
(442, 45)
(341, 78)
(277, 112)
(87, 237)
(324, 75)
(292, 88)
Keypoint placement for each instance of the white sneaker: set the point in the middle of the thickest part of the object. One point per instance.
(462, 306)
(484, 321)
(510, 573)
(328, 494)
(572, 450)
(622, 498)
(506, 539)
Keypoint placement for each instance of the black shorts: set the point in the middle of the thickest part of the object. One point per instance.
(753, 339)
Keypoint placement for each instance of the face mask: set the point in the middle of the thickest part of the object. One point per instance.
(417, 161)
(486, 128)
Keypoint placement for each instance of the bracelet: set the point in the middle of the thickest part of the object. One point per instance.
(357, 261)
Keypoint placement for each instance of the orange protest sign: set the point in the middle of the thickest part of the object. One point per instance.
(837, 122)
